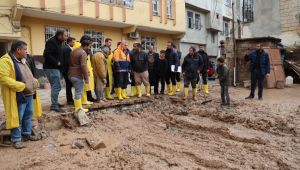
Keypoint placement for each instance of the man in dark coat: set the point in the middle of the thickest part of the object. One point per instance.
(52, 66)
(205, 67)
(173, 61)
(260, 68)
(153, 56)
(67, 49)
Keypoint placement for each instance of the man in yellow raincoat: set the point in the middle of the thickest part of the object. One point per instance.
(109, 77)
(18, 86)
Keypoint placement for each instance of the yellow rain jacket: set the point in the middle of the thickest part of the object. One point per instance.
(9, 87)
(91, 85)
(37, 106)
(110, 71)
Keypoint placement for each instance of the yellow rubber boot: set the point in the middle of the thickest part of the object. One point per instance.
(119, 93)
(168, 88)
(124, 94)
(197, 88)
(139, 91)
(133, 91)
(173, 90)
(148, 91)
(186, 93)
(84, 100)
(194, 93)
(107, 94)
(78, 105)
(206, 88)
(178, 86)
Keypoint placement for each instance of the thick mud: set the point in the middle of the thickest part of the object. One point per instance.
(169, 133)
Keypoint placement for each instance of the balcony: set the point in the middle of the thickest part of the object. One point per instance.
(214, 22)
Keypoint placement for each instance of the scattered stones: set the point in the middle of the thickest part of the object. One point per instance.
(95, 141)
(82, 118)
(77, 144)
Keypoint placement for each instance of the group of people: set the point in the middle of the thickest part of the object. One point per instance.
(105, 72)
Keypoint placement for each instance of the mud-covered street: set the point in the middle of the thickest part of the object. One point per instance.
(167, 133)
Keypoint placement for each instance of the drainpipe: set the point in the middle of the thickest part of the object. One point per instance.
(234, 46)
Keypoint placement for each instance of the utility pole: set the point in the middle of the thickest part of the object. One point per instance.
(234, 45)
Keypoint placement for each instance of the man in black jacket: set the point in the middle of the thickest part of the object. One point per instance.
(53, 63)
(153, 56)
(191, 67)
(173, 61)
(205, 67)
(67, 49)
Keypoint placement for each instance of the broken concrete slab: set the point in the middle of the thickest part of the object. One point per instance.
(95, 141)
(82, 118)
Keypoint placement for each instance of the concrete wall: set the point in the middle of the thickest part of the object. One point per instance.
(266, 20)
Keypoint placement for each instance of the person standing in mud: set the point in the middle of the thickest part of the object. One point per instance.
(223, 75)
(204, 70)
(153, 56)
(173, 61)
(191, 67)
(260, 68)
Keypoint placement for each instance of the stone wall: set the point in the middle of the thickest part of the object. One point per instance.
(243, 47)
(289, 9)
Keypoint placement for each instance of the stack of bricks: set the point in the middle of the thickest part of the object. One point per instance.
(290, 15)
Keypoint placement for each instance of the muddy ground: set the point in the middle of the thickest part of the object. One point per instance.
(167, 133)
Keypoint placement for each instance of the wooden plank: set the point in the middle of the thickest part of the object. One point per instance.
(123, 103)
(95, 141)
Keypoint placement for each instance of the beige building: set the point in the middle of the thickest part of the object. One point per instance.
(35, 21)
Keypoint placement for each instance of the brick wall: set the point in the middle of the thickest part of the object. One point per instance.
(289, 9)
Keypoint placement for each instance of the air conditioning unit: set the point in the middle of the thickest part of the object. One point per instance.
(134, 35)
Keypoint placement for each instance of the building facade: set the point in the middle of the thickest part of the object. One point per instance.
(207, 23)
(276, 18)
(150, 22)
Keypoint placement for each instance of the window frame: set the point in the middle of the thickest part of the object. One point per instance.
(55, 28)
(157, 12)
(198, 25)
(169, 9)
(125, 3)
(149, 40)
(94, 35)
(190, 19)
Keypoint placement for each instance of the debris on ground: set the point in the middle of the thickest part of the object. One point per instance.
(95, 141)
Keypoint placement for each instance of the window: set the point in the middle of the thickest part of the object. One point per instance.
(126, 3)
(190, 16)
(228, 3)
(169, 9)
(213, 37)
(155, 7)
(148, 40)
(225, 31)
(198, 21)
(248, 11)
(97, 38)
(51, 30)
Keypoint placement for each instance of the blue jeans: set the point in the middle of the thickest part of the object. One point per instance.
(53, 76)
(78, 84)
(25, 115)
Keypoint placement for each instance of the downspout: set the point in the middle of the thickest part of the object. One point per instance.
(234, 46)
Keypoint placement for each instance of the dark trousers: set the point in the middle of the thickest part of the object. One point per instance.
(225, 94)
(177, 76)
(204, 77)
(151, 77)
(132, 79)
(257, 77)
(121, 80)
(162, 80)
(190, 80)
(171, 77)
(68, 89)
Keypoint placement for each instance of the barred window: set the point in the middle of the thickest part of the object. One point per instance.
(190, 20)
(248, 11)
(148, 40)
(51, 30)
(97, 38)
